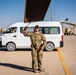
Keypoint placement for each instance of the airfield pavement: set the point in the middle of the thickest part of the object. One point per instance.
(59, 62)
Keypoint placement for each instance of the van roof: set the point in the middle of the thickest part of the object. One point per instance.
(40, 23)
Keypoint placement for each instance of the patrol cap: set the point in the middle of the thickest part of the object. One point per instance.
(37, 26)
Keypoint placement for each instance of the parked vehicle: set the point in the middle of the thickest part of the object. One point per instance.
(13, 36)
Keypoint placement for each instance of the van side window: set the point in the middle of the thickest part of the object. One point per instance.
(51, 30)
(11, 30)
(44, 30)
(21, 29)
(41, 29)
(30, 29)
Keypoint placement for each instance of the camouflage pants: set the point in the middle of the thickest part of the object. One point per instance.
(37, 56)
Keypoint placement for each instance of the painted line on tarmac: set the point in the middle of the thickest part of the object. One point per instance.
(63, 64)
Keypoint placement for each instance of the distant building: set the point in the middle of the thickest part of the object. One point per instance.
(1, 29)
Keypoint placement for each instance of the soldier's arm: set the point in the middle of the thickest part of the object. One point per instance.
(44, 40)
(25, 32)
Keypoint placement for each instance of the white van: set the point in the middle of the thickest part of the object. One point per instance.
(13, 36)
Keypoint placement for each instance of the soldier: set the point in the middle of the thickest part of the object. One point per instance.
(38, 43)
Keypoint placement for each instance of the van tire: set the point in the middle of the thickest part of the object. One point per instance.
(10, 46)
(49, 46)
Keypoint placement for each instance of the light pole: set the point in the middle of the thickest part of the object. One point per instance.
(51, 12)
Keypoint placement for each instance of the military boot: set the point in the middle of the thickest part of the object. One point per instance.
(34, 70)
(41, 70)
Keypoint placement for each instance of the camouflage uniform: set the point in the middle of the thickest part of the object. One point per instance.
(37, 53)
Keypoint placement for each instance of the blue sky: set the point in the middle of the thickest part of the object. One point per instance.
(12, 11)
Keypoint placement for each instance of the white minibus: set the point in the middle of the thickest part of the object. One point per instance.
(13, 37)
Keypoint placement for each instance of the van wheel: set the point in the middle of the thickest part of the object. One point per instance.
(49, 46)
(11, 47)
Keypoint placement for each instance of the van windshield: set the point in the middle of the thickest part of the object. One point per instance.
(44, 30)
(11, 30)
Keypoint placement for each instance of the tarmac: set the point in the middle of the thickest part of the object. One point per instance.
(58, 62)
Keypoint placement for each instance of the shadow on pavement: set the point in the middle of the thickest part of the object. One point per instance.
(23, 49)
(18, 49)
(16, 66)
(2, 48)
(55, 50)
